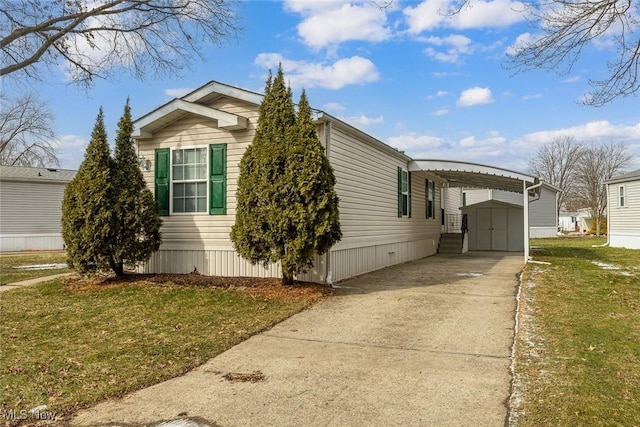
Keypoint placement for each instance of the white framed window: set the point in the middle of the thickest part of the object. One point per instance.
(404, 193)
(189, 180)
(429, 192)
(622, 196)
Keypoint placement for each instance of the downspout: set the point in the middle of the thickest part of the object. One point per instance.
(328, 278)
(526, 216)
(608, 216)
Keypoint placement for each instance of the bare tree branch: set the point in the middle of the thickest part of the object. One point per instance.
(557, 164)
(569, 26)
(96, 38)
(598, 164)
(26, 132)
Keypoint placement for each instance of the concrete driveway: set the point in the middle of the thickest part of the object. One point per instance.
(426, 343)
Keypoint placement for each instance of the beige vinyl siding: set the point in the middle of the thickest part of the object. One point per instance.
(203, 231)
(30, 215)
(373, 235)
(624, 222)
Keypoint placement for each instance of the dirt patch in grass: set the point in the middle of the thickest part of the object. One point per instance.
(73, 342)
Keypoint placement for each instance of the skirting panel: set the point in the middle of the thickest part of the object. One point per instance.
(541, 232)
(43, 242)
(623, 240)
(345, 263)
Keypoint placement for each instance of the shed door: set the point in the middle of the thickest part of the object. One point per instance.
(491, 229)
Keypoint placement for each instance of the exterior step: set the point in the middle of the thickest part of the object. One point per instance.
(450, 243)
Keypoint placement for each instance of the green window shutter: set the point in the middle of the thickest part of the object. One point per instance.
(399, 192)
(409, 196)
(426, 198)
(162, 180)
(217, 179)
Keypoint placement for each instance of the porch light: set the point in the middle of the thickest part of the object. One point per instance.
(144, 163)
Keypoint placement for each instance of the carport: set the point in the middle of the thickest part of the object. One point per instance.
(474, 175)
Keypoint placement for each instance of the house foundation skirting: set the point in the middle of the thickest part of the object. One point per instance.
(344, 263)
(31, 242)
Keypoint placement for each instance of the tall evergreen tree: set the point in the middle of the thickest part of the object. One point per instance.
(278, 216)
(87, 206)
(109, 217)
(136, 231)
(310, 218)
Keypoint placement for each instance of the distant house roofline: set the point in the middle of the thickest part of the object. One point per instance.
(26, 174)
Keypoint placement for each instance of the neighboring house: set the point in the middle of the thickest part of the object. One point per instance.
(543, 213)
(31, 207)
(579, 221)
(623, 210)
(390, 205)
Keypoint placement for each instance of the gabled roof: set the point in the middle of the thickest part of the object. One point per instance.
(631, 176)
(194, 104)
(465, 174)
(27, 174)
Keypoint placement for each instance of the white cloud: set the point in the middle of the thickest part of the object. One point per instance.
(532, 96)
(521, 41)
(475, 96)
(334, 106)
(177, 92)
(573, 79)
(432, 14)
(495, 141)
(363, 121)
(440, 112)
(601, 130)
(331, 22)
(455, 45)
(412, 142)
(69, 149)
(343, 72)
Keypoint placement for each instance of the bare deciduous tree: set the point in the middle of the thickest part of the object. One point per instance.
(556, 163)
(94, 38)
(26, 132)
(598, 164)
(568, 27)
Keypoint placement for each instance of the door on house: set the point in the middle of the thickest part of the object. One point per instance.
(491, 228)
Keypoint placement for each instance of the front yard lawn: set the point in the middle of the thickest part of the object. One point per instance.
(578, 350)
(71, 343)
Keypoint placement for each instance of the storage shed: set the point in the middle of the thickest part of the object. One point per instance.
(495, 226)
(31, 207)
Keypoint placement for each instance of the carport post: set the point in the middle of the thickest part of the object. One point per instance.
(525, 204)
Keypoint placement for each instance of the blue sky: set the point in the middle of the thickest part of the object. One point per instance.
(433, 86)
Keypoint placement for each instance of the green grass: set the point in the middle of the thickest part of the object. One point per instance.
(8, 263)
(579, 352)
(68, 345)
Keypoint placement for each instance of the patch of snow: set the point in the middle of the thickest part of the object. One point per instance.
(41, 267)
(620, 270)
(182, 422)
(469, 274)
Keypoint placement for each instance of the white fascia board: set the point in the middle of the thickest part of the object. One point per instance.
(455, 166)
(144, 127)
(225, 90)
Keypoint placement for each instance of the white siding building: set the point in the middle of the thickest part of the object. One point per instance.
(31, 207)
(623, 210)
(214, 125)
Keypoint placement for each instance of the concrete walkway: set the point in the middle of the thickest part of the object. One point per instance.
(30, 282)
(426, 343)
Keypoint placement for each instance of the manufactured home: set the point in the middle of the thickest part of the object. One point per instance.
(390, 205)
(623, 210)
(31, 207)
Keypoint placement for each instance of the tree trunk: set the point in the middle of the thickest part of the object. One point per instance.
(117, 267)
(287, 279)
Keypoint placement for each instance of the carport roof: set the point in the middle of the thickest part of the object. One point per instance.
(465, 174)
